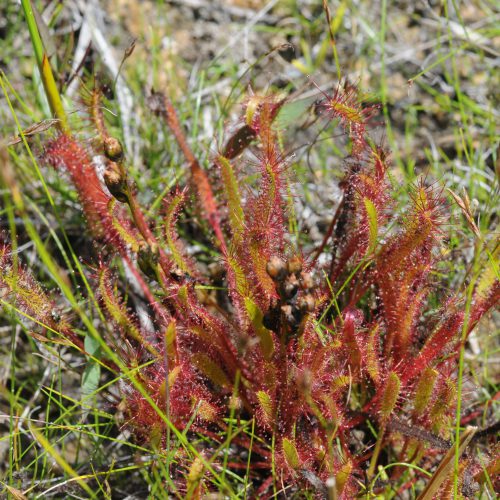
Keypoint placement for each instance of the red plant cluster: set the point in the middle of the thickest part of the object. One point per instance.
(312, 354)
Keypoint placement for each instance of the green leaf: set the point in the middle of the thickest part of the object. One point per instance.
(267, 406)
(371, 212)
(390, 396)
(92, 373)
(49, 83)
(292, 112)
(170, 232)
(265, 337)
(210, 369)
(290, 452)
(118, 312)
(236, 214)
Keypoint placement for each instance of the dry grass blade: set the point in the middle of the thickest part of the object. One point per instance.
(36, 128)
(15, 493)
(445, 467)
(464, 204)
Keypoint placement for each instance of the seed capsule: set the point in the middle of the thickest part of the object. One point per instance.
(306, 281)
(216, 270)
(294, 265)
(147, 258)
(304, 381)
(176, 274)
(287, 312)
(306, 303)
(116, 182)
(290, 286)
(276, 268)
(113, 149)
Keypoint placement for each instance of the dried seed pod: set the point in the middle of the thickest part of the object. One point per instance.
(216, 270)
(147, 258)
(177, 274)
(306, 281)
(116, 182)
(235, 403)
(271, 321)
(276, 268)
(304, 381)
(294, 265)
(287, 312)
(113, 149)
(306, 303)
(271, 318)
(290, 286)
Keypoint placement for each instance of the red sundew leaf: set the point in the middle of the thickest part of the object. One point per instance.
(291, 454)
(18, 285)
(364, 209)
(266, 212)
(211, 369)
(266, 408)
(346, 105)
(351, 347)
(161, 104)
(66, 152)
(487, 290)
(239, 141)
(372, 356)
(233, 199)
(173, 205)
(435, 346)
(389, 396)
(119, 315)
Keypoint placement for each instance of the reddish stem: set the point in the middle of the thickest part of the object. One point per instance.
(328, 234)
(198, 176)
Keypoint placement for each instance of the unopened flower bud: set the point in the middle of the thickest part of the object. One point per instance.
(116, 182)
(113, 149)
(276, 268)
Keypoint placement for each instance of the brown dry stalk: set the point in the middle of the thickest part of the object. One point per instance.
(445, 467)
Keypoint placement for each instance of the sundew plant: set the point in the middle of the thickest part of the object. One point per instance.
(236, 357)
